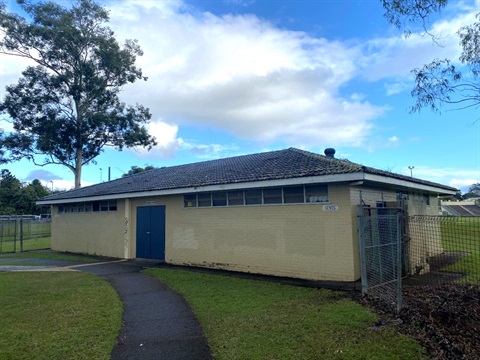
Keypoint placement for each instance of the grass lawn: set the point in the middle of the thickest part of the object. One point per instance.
(29, 244)
(248, 319)
(57, 315)
(50, 255)
(462, 234)
(18, 263)
(35, 234)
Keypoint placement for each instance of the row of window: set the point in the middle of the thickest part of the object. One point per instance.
(89, 206)
(276, 195)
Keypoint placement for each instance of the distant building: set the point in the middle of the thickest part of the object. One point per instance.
(461, 208)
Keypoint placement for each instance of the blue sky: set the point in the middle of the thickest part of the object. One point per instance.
(231, 77)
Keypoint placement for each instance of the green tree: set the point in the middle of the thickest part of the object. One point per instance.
(24, 201)
(66, 109)
(39, 189)
(17, 198)
(137, 169)
(9, 186)
(440, 83)
(473, 191)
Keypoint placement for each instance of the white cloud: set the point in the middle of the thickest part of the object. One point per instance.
(167, 141)
(394, 139)
(464, 183)
(52, 180)
(5, 125)
(11, 68)
(242, 75)
(397, 87)
(62, 184)
(395, 56)
(455, 177)
(210, 151)
(41, 174)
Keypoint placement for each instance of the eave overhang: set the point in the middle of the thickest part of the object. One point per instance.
(336, 178)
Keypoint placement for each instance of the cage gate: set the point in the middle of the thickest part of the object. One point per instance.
(382, 252)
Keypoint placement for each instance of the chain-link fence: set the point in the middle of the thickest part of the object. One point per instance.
(382, 246)
(381, 234)
(18, 234)
(397, 249)
(446, 249)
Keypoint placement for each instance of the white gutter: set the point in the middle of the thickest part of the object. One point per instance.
(349, 177)
(405, 183)
(223, 187)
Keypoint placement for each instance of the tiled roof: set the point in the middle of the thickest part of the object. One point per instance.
(273, 165)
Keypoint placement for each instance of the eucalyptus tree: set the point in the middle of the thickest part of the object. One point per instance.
(440, 83)
(65, 108)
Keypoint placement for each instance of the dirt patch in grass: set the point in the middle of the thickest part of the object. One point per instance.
(444, 319)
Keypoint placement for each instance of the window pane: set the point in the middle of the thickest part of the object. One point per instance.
(426, 198)
(190, 200)
(88, 207)
(316, 193)
(205, 199)
(81, 207)
(68, 208)
(96, 206)
(219, 198)
(112, 205)
(74, 207)
(293, 194)
(104, 206)
(61, 208)
(253, 196)
(272, 196)
(235, 197)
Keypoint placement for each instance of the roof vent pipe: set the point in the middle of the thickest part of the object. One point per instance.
(330, 152)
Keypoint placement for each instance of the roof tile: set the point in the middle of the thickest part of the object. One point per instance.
(273, 165)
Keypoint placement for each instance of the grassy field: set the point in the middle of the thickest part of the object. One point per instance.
(10, 259)
(248, 319)
(57, 315)
(29, 244)
(462, 234)
(35, 234)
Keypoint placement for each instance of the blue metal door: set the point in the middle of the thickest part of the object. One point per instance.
(151, 232)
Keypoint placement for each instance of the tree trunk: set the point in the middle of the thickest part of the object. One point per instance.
(78, 169)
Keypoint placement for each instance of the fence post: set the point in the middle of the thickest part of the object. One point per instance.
(399, 261)
(21, 235)
(15, 236)
(361, 240)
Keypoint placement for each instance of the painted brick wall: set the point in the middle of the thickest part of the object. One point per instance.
(302, 241)
(97, 233)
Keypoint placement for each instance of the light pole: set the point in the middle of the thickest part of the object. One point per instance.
(411, 168)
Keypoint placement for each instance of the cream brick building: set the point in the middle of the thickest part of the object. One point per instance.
(286, 213)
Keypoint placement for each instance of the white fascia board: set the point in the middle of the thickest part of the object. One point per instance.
(405, 183)
(349, 177)
(224, 187)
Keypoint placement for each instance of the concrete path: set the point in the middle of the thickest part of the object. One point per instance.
(157, 323)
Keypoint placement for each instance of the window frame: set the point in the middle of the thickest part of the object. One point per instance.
(88, 207)
(274, 195)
